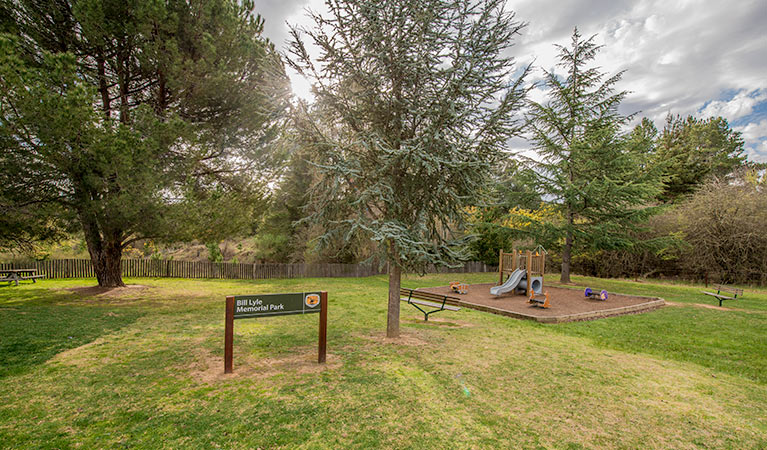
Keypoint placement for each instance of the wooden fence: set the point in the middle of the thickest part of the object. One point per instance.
(82, 268)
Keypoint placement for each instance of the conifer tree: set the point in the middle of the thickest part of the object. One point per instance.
(595, 173)
(693, 150)
(418, 98)
(127, 119)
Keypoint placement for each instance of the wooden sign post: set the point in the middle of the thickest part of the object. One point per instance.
(250, 306)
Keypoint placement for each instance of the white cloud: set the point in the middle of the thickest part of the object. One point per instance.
(678, 55)
(755, 137)
(705, 57)
(754, 130)
(702, 58)
(537, 94)
(758, 152)
(741, 105)
(278, 14)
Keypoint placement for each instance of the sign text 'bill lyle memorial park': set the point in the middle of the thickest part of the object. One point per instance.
(261, 305)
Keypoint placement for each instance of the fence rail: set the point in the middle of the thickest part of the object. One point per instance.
(82, 268)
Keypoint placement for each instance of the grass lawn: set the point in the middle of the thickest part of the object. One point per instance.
(143, 368)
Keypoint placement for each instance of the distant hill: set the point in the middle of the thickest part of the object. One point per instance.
(242, 250)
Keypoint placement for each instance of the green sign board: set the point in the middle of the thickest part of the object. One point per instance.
(246, 306)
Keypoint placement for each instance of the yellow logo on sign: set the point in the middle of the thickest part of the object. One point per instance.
(312, 300)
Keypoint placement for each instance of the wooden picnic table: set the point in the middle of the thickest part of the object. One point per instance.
(16, 275)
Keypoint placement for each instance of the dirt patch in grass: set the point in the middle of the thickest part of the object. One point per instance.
(440, 322)
(701, 305)
(718, 308)
(405, 338)
(106, 292)
(723, 308)
(304, 362)
(208, 368)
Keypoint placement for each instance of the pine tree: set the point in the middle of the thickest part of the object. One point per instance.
(417, 99)
(693, 150)
(130, 120)
(595, 174)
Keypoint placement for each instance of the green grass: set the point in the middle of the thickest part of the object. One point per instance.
(33, 331)
(730, 341)
(144, 370)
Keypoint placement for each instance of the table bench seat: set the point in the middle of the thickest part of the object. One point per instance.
(427, 299)
(433, 305)
(714, 294)
(735, 292)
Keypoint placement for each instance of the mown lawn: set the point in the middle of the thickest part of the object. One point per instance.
(144, 369)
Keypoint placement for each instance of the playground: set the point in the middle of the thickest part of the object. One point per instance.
(520, 293)
(566, 304)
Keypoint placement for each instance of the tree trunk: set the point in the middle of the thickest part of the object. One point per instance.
(106, 253)
(103, 88)
(392, 318)
(566, 252)
(107, 265)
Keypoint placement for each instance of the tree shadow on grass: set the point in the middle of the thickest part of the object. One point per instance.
(34, 331)
(39, 294)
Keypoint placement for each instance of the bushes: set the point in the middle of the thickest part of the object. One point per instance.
(725, 225)
(721, 231)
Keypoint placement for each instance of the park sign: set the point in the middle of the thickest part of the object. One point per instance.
(266, 305)
(247, 306)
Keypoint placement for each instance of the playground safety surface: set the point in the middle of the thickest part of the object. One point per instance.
(567, 304)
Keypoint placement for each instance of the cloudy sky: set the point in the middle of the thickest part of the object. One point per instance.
(705, 57)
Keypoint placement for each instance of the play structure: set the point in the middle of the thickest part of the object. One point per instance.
(542, 302)
(524, 270)
(521, 272)
(594, 295)
(459, 288)
(564, 305)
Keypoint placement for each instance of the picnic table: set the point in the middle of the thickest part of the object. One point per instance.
(16, 275)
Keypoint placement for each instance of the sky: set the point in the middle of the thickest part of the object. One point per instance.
(705, 58)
